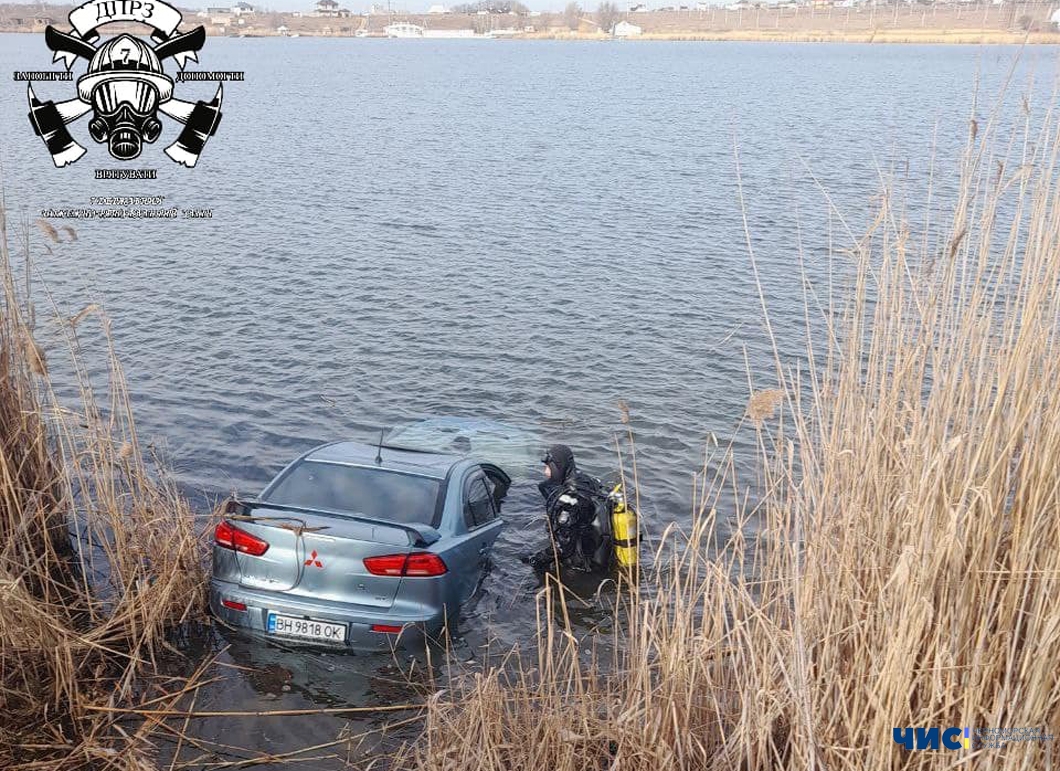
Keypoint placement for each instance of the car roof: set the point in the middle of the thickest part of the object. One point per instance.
(394, 458)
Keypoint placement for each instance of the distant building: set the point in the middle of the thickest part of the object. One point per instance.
(639, 8)
(282, 31)
(327, 8)
(403, 29)
(241, 9)
(448, 33)
(1055, 19)
(625, 29)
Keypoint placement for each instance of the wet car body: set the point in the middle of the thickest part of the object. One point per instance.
(354, 546)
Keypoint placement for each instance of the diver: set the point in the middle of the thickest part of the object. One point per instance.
(576, 515)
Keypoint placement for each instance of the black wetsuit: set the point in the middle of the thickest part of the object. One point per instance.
(571, 508)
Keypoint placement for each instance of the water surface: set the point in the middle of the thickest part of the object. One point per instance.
(523, 231)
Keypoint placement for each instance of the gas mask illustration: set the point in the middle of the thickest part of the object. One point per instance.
(124, 84)
(126, 91)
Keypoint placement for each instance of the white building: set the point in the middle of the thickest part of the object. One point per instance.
(327, 8)
(216, 15)
(448, 34)
(403, 29)
(625, 29)
(242, 9)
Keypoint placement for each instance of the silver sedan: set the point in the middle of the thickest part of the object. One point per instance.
(359, 547)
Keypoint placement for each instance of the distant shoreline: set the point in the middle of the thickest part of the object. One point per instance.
(888, 36)
(913, 36)
(815, 21)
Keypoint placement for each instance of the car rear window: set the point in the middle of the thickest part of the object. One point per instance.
(369, 492)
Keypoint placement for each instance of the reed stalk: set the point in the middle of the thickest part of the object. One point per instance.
(901, 565)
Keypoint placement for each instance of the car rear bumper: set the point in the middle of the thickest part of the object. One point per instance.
(416, 627)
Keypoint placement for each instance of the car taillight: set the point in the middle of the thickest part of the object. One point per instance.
(234, 605)
(390, 565)
(228, 536)
(387, 628)
(424, 564)
(417, 564)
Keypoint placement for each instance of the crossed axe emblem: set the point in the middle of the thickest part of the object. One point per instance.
(126, 87)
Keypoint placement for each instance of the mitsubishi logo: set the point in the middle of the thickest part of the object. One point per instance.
(313, 561)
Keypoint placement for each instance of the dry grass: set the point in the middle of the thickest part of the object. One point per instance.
(902, 567)
(98, 558)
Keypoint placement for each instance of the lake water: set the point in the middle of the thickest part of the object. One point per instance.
(523, 231)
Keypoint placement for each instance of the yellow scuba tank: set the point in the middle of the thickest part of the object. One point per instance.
(623, 529)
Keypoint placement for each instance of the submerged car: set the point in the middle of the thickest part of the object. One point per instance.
(358, 546)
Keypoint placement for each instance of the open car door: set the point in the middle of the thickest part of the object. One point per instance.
(499, 482)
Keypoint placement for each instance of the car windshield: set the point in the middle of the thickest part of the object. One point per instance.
(516, 450)
(369, 492)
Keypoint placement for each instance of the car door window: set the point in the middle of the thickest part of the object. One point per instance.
(478, 503)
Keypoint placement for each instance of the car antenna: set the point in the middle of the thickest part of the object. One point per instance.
(379, 451)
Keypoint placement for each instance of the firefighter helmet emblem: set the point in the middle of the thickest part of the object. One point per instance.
(125, 86)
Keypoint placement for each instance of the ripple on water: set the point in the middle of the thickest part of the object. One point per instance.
(527, 232)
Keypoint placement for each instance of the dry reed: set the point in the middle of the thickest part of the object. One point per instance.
(98, 557)
(901, 568)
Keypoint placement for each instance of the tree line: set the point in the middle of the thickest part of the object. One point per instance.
(607, 15)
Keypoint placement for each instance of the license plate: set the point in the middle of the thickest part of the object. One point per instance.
(306, 628)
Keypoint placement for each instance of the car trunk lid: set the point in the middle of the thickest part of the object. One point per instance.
(321, 555)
